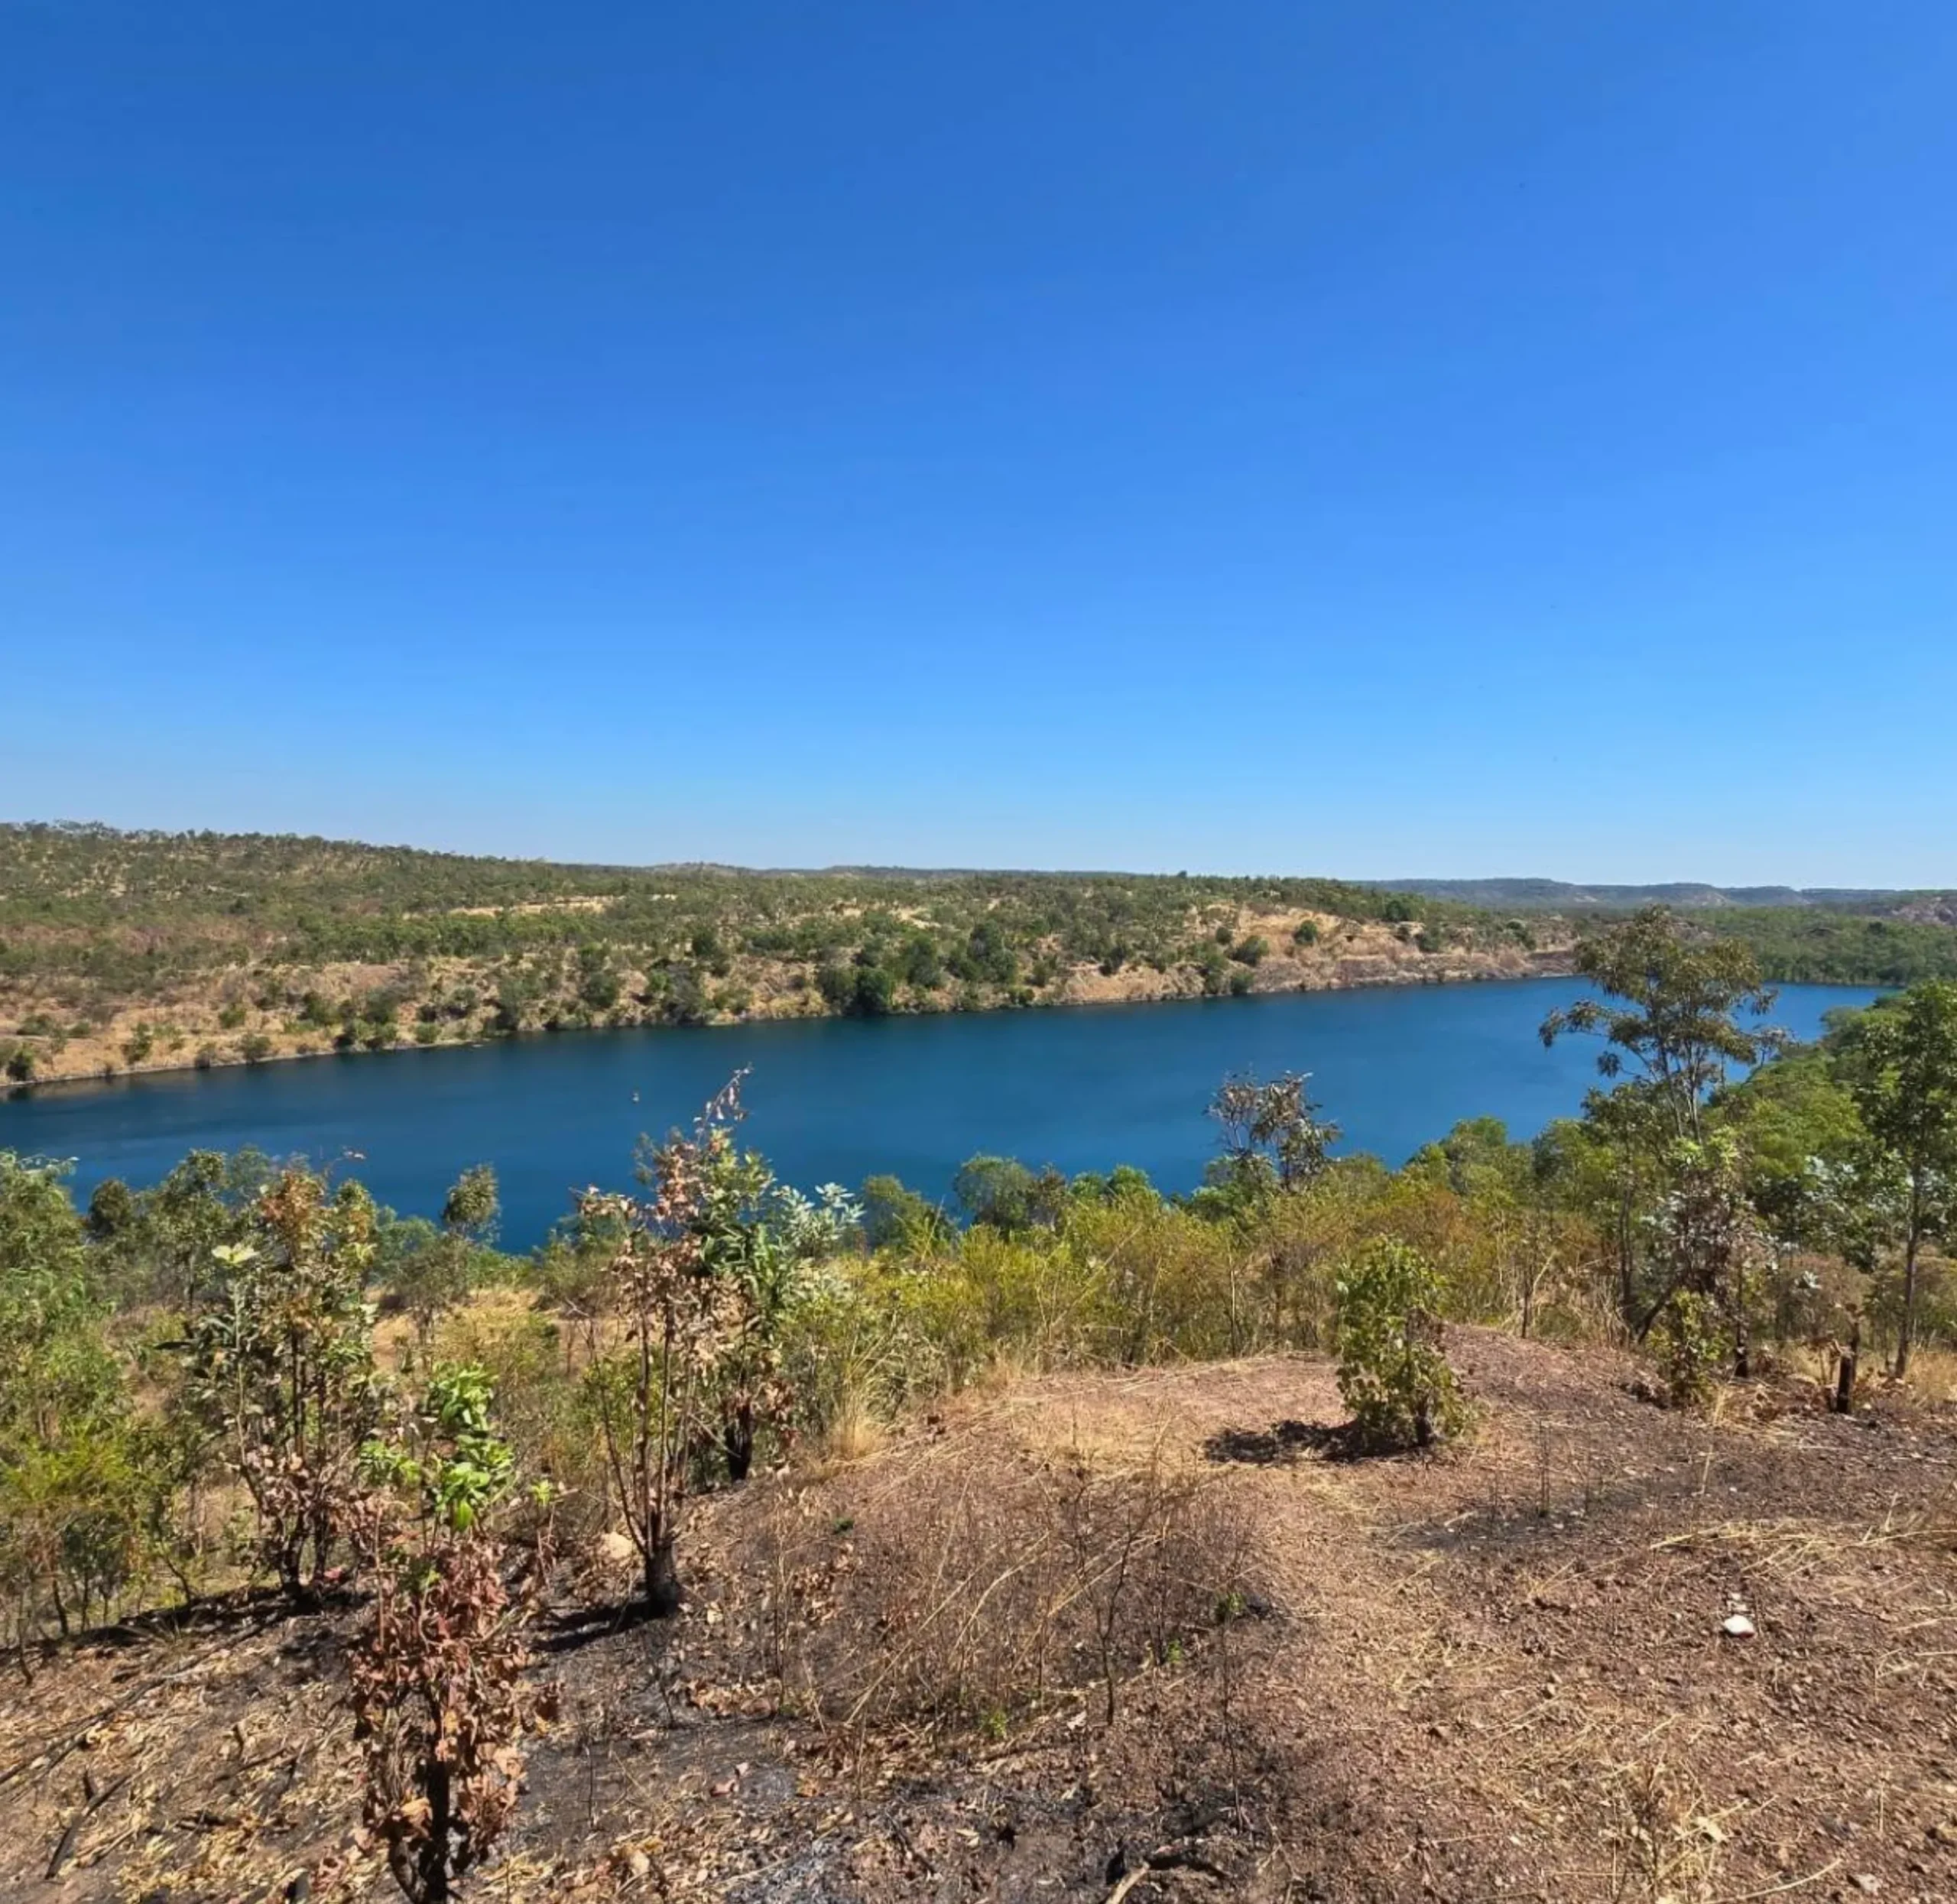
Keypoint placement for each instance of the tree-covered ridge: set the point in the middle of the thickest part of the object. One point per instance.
(131, 949)
(1566, 895)
(123, 950)
(1824, 946)
(193, 894)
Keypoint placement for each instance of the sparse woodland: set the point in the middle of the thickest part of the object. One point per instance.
(125, 952)
(1564, 1520)
(122, 952)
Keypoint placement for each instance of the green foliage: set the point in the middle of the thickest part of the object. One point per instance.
(279, 1366)
(1678, 995)
(472, 1207)
(1899, 1061)
(1003, 1194)
(451, 1459)
(897, 1217)
(1787, 1114)
(1392, 1372)
(436, 1677)
(1273, 1140)
(157, 1245)
(694, 1287)
(1686, 1338)
(1709, 1241)
(1821, 946)
(102, 921)
(430, 1270)
(574, 935)
(72, 1505)
(920, 962)
(669, 1340)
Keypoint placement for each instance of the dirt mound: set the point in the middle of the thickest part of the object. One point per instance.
(1599, 1651)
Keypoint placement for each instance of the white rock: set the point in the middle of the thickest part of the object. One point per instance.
(1738, 1627)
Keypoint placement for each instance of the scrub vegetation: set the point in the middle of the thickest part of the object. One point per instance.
(1535, 1520)
(124, 952)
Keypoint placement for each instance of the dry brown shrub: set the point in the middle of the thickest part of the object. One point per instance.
(986, 1586)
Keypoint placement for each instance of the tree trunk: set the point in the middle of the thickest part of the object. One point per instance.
(662, 1576)
(1742, 1334)
(1906, 1329)
(1845, 1376)
(737, 1439)
(1627, 1300)
(441, 1826)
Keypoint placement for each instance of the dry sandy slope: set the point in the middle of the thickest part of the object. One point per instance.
(1498, 1674)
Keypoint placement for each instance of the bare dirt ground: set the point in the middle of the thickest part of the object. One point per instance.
(1499, 1674)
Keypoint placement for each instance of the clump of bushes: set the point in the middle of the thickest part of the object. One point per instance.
(436, 1676)
(1392, 1372)
(1686, 1337)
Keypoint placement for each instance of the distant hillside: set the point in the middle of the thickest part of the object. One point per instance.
(1562, 896)
(132, 951)
(139, 950)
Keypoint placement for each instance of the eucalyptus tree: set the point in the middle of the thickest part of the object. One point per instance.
(1679, 1008)
(64, 1405)
(439, 1273)
(1671, 1015)
(1899, 1061)
(1273, 1137)
(695, 1284)
(279, 1368)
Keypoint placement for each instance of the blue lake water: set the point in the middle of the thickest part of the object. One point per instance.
(837, 1100)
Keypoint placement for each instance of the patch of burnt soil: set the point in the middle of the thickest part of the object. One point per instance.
(1138, 1635)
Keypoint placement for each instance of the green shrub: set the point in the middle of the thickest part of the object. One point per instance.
(1687, 1338)
(1391, 1371)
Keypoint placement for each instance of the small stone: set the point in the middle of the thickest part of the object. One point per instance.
(1867, 1884)
(1738, 1626)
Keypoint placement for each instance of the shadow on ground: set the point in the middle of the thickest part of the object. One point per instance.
(1287, 1441)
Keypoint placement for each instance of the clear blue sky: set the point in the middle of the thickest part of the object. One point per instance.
(1377, 437)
